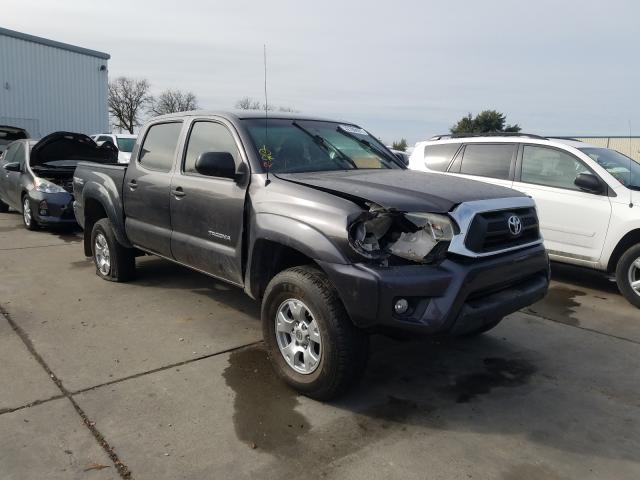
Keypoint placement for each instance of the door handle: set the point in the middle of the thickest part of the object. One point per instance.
(178, 192)
(133, 184)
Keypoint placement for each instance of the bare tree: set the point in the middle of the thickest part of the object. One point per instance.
(172, 101)
(248, 103)
(127, 97)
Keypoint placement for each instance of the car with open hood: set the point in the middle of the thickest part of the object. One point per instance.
(36, 177)
(322, 224)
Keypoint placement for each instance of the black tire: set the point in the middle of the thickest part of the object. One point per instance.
(122, 261)
(30, 224)
(483, 329)
(4, 208)
(344, 347)
(624, 272)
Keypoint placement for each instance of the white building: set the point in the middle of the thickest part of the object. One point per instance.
(47, 86)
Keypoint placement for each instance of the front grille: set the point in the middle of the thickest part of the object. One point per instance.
(489, 231)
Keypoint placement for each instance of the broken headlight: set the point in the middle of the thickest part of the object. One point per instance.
(411, 236)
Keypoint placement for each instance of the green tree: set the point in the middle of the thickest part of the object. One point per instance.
(486, 121)
(401, 145)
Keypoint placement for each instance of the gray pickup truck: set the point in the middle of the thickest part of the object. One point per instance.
(320, 222)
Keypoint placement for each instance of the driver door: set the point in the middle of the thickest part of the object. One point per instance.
(207, 212)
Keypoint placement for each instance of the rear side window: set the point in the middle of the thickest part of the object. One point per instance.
(487, 160)
(159, 148)
(437, 157)
(208, 137)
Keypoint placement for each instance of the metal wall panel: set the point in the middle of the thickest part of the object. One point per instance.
(50, 89)
(625, 145)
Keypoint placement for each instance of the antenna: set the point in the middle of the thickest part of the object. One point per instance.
(265, 153)
(630, 169)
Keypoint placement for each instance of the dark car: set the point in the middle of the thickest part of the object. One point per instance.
(321, 223)
(36, 177)
(10, 134)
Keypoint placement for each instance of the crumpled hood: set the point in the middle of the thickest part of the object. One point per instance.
(403, 190)
(71, 146)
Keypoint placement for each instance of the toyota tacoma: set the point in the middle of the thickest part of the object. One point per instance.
(323, 225)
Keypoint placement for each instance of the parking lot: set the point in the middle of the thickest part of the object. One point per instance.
(165, 377)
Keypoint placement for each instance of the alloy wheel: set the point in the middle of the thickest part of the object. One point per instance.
(298, 336)
(634, 276)
(102, 254)
(26, 211)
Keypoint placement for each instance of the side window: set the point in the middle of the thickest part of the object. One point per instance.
(159, 148)
(437, 157)
(550, 167)
(208, 137)
(10, 153)
(487, 160)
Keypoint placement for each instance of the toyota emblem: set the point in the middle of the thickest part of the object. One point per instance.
(515, 225)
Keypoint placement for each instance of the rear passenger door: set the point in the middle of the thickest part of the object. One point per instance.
(488, 162)
(207, 212)
(147, 187)
(573, 222)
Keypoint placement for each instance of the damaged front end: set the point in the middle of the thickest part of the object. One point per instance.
(392, 237)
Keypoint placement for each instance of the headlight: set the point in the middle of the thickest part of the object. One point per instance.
(45, 186)
(412, 236)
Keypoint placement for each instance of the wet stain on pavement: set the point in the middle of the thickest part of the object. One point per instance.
(499, 372)
(559, 305)
(264, 407)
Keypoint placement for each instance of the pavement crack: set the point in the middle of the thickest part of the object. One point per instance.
(166, 367)
(122, 469)
(39, 246)
(31, 404)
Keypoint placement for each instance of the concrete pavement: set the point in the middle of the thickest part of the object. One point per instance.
(165, 377)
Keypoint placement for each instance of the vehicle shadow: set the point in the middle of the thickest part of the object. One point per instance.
(583, 277)
(492, 385)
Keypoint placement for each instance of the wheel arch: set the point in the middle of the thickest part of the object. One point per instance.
(96, 205)
(630, 239)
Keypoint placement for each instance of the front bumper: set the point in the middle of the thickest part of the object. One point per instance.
(50, 209)
(455, 297)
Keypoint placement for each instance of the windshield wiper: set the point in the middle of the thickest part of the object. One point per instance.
(328, 146)
(368, 145)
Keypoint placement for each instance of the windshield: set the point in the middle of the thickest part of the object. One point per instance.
(624, 169)
(311, 146)
(125, 144)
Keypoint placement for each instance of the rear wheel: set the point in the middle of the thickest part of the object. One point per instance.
(113, 261)
(628, 275)
(27, 214)
(312, 343)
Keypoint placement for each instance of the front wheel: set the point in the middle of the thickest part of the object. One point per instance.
(113, 261)
(27, 214)
(312, 343)
(628, 275)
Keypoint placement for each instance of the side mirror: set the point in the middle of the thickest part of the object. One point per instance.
(216, 164)
(589, 183)
(12, 167)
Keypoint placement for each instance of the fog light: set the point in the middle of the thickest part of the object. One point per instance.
(401, 306)
(44, 208)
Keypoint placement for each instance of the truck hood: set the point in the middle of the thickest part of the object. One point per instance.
(71, 146)
(403, 190)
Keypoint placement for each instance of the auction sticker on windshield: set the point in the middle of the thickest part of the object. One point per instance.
(353, 129)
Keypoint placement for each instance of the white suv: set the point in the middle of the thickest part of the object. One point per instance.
(123, 141)
(588, 197)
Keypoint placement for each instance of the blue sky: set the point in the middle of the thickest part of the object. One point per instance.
(401, 69)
